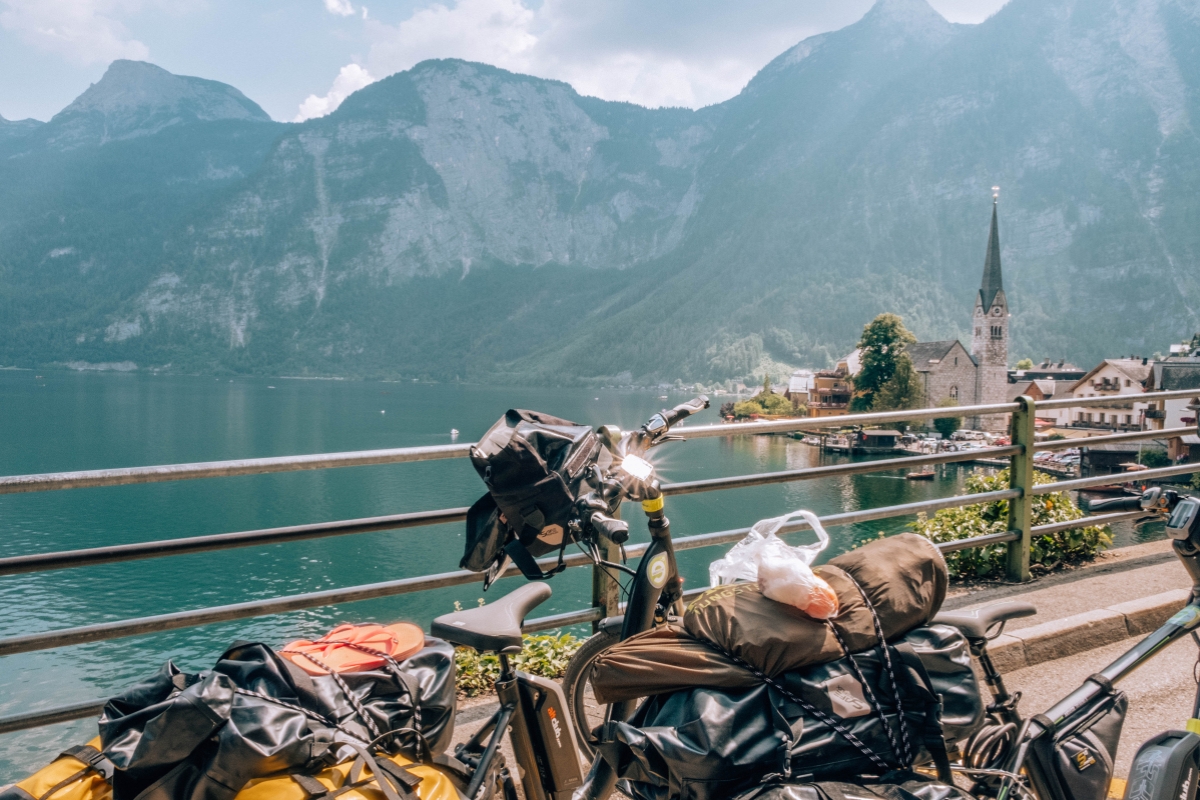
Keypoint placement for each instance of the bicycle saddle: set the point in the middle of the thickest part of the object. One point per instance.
(975, 624)
(493, 628)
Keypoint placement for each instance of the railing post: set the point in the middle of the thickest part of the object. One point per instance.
(606, 592)
(1020, 477)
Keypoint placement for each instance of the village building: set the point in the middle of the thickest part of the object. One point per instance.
(1118, 379)
(1045, 389)
(1048, 370)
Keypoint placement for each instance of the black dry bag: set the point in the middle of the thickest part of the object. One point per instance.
(535, 467)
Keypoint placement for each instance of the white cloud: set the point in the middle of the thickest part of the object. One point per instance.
(82, 31)
(497, 32)
(642, 51)
(342, 8)
(350, 79)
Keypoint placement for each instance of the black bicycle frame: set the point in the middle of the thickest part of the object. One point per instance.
(1085, 700)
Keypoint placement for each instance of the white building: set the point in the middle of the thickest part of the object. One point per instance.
(1118, 379)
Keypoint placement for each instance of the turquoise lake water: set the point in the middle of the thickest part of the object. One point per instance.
(71, 421)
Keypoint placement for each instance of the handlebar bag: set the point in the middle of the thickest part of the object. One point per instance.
(535, 466)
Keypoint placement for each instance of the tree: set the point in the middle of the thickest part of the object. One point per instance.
(883, 341)
(902, 390)
(946, 426)
(1025, 363)
(766, 384)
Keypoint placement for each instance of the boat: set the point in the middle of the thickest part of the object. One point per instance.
(454, 431)
(926, 474)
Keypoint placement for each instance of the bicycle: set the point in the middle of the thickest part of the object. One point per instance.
(1024, 756)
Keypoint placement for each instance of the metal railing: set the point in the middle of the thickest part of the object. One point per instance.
(1017, 537)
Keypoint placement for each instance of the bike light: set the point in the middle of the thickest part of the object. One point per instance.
(639, 468)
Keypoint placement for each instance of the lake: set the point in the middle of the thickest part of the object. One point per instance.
(70, 421)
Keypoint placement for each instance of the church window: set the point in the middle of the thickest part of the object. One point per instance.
(954, 393)
(956, 361)
(978, 331)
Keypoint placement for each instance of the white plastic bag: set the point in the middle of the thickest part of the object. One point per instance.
(783, 572)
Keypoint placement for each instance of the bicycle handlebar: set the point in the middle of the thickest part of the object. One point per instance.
(661, 423)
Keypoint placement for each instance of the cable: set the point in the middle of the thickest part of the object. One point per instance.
(989, 746)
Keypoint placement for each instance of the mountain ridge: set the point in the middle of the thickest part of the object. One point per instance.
(459, 220)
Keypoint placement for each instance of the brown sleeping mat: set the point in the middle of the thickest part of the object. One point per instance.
(903, 575)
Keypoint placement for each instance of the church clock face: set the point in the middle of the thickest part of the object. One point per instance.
(997, 311)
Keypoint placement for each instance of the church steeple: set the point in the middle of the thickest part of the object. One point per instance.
(992, 284)
(989, 345)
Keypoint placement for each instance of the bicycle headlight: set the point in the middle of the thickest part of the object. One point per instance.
(637, 467)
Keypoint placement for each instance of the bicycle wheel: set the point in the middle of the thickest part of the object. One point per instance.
(586, 713)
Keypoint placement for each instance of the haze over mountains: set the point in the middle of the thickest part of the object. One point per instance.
(457, 220)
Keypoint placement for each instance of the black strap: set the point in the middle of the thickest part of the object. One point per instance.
(525, 561)
(65, 782)
(93, 758)
(312, 787)
(1101, 681)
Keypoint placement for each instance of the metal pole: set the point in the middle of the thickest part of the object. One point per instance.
(606, 592)
(1020, 478)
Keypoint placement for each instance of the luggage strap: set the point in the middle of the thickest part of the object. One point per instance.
(807, 706)
(95, 760)
(395, 781)
(528, 565)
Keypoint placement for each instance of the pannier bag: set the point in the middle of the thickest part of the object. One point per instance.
(80, 773)
(1081, 754)
(535, 466)
(708, 744)
(177, 736)
(904, 576)
(900, 786)
(70, 778)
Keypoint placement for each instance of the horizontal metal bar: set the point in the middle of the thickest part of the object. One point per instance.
(260, 608)
(563, 620)
(842, 420)
(1084, 522)
(978, 541)
(37, 719)
(853, 517)
(222, 541)
(1090, 402)
(1120, 477)
(835, 470)
(51, 481)
(39, 562)
(1132, 436)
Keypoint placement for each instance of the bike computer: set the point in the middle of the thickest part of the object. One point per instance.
(1184, 518)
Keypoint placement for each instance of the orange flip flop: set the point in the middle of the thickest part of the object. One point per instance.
(356, 648)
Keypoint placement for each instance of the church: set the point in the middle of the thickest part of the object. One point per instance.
(978, 377)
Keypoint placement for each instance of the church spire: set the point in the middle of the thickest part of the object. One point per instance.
(992, 283)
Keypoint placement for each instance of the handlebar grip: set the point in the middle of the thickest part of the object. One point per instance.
(684, 410)
(615, 530)
(1116, 504)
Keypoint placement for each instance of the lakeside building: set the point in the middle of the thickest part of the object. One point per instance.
(1119, 379)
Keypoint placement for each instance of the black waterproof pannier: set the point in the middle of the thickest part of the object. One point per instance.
(832, 721)
(535, 466)
(179, 736)
(898, 786)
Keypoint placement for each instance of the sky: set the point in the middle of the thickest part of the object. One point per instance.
(300, 58)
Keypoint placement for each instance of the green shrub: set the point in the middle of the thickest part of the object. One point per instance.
(545, 655)
(1196, 481)
(764, 404)
(1047, 552)
(1154, 458)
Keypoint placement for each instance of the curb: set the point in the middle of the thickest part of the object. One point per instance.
(1068, 636)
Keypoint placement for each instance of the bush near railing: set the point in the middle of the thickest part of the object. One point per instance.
(1047, 552)
(545, 655)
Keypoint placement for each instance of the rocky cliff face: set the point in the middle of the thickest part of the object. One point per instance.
(459, 220)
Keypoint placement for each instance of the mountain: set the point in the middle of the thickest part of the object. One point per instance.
(458, 220)
(15, 128)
